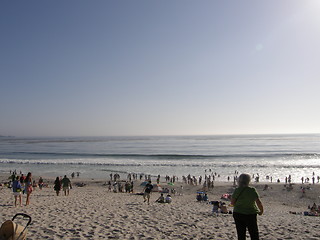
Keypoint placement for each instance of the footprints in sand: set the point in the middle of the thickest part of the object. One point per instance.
(105, 215)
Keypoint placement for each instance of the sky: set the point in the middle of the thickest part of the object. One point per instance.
(108, 68)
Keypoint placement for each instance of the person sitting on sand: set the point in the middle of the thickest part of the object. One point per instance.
(109, 186)
(266, 187)
(40, 183)
(199, 197)
(223, 208)
(165, 190)
(314, 208)
(160, 199)
(289, 187)
(34, 184)
(168, 199)
(216, 206)
(205, 198)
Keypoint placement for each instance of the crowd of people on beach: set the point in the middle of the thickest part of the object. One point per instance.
(243, 221)
(21, 184)
(120, 187)
(244, 200)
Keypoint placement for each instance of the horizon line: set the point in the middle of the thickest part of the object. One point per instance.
(158, 135)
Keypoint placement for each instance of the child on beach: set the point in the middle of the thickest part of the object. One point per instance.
(160, 199)
(168, 199)
(147, 191)
(223, 208)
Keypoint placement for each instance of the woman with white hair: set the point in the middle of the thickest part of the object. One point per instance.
(247, 205)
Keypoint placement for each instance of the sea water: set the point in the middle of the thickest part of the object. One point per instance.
(96, 157)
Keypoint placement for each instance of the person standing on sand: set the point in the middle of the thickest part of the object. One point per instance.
(247, 205)
(66, 185)
(22, 178)
(28, 187)
(17, 189)
(147, 191)
(57, 186)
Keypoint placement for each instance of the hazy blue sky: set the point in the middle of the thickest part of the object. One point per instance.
(159, 67)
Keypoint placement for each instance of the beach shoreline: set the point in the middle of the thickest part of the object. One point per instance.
(273, 157)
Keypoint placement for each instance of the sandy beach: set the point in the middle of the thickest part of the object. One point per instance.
(93, 212)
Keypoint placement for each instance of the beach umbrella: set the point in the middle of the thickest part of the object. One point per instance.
(144, 183)
(156, 188)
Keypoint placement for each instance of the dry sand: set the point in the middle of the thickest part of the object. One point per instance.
(92, 212)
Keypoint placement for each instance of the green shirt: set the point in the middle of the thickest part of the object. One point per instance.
(245, 200)
(65, 182)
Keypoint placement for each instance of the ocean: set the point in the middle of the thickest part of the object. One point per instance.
(96, 157)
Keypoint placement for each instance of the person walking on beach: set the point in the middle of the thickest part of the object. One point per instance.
(17, 189)
(57, 186)
(28, 187)
(247, 205)
(66, 185)
(147, 191)
(22, 178)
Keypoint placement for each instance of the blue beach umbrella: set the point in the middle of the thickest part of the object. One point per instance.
(144, 183)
